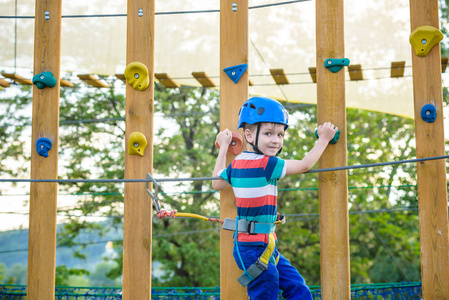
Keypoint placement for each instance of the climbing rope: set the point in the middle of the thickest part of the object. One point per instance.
(162, 214)
(361, 166)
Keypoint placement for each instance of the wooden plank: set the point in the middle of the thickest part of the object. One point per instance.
(18, 78)
(92, 80)
(333, 186)
(138, 215)
(444, 61)
(279, 76)
(397, 68)
(4, 83)
(121, 77)
(234, 45)
(203, 79)
(65, 83)
(312, 72)
(432, 184)
(166, 80)
(45, 115)
(355, 72)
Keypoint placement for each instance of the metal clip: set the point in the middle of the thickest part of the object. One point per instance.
(154, 194)
(261, 265)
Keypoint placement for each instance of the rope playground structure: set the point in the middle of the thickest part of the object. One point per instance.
(328, 77)
(384, 291)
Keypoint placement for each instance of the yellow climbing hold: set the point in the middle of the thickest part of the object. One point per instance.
(424, 38)
(137, 143)
(137, 75)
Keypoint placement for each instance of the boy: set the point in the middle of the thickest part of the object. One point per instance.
(253, 176)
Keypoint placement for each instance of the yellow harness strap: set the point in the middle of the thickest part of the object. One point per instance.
(268, 252)
(261, 264)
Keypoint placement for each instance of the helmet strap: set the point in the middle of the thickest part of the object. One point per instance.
(279, 152)
(255, 148)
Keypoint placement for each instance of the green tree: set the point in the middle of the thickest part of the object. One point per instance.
(382, 201)
(64, 275)
(17, 274)
(13, 121)
(99, 275)
(372, 137)
(3, 270)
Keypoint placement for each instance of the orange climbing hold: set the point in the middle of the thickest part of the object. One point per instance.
(236, 145)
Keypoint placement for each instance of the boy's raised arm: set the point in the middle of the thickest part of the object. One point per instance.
(326, 133)
(224, 138)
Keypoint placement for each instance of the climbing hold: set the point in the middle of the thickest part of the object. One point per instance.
(424, 38)
(334, 140)
(236, 72)
(43, 145)
(44, 79)
(137, 75)
(137, 143)
(236, 145)
(336, 64)
(428, 113)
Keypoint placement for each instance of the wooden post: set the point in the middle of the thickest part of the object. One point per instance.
(233, 51)
(333, 186)
(45, 116)
(432, 185)
(137, 240)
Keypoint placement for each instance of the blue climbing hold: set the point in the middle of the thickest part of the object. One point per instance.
(334, 140)
(44, 79)
(336, 64)
(236, 72)
(428, 113)
(43, 145)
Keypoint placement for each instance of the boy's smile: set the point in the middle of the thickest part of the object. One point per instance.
(271, 138)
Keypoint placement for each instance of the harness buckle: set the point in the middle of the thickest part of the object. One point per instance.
(261, 265)
(252, 227)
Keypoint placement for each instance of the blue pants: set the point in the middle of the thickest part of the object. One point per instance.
(282, 277)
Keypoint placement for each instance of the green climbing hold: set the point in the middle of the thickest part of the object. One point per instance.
(336, 64)
(44, 79)
(334, 140)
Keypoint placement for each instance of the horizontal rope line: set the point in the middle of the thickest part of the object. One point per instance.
(160, 13)
(312, 215)
(383, 210)
(213, 191)
(218, 178)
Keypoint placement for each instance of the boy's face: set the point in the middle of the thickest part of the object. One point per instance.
(271, 138)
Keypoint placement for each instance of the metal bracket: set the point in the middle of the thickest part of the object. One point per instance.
(154, 194)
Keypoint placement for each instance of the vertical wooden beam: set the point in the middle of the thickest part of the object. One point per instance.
(45, 116)
(233, 51)
(137, 240)
(432, 185)
(333, 186)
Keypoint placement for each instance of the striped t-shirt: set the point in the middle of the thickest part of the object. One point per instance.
(253, 178)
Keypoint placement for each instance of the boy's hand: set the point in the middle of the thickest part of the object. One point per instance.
(224, 138)
(327, 131)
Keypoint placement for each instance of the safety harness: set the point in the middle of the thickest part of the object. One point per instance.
(252, 227)
(242, 226)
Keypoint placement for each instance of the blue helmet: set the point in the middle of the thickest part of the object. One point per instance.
(262, 109)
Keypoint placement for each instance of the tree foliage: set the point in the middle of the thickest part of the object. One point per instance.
(383, 220)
